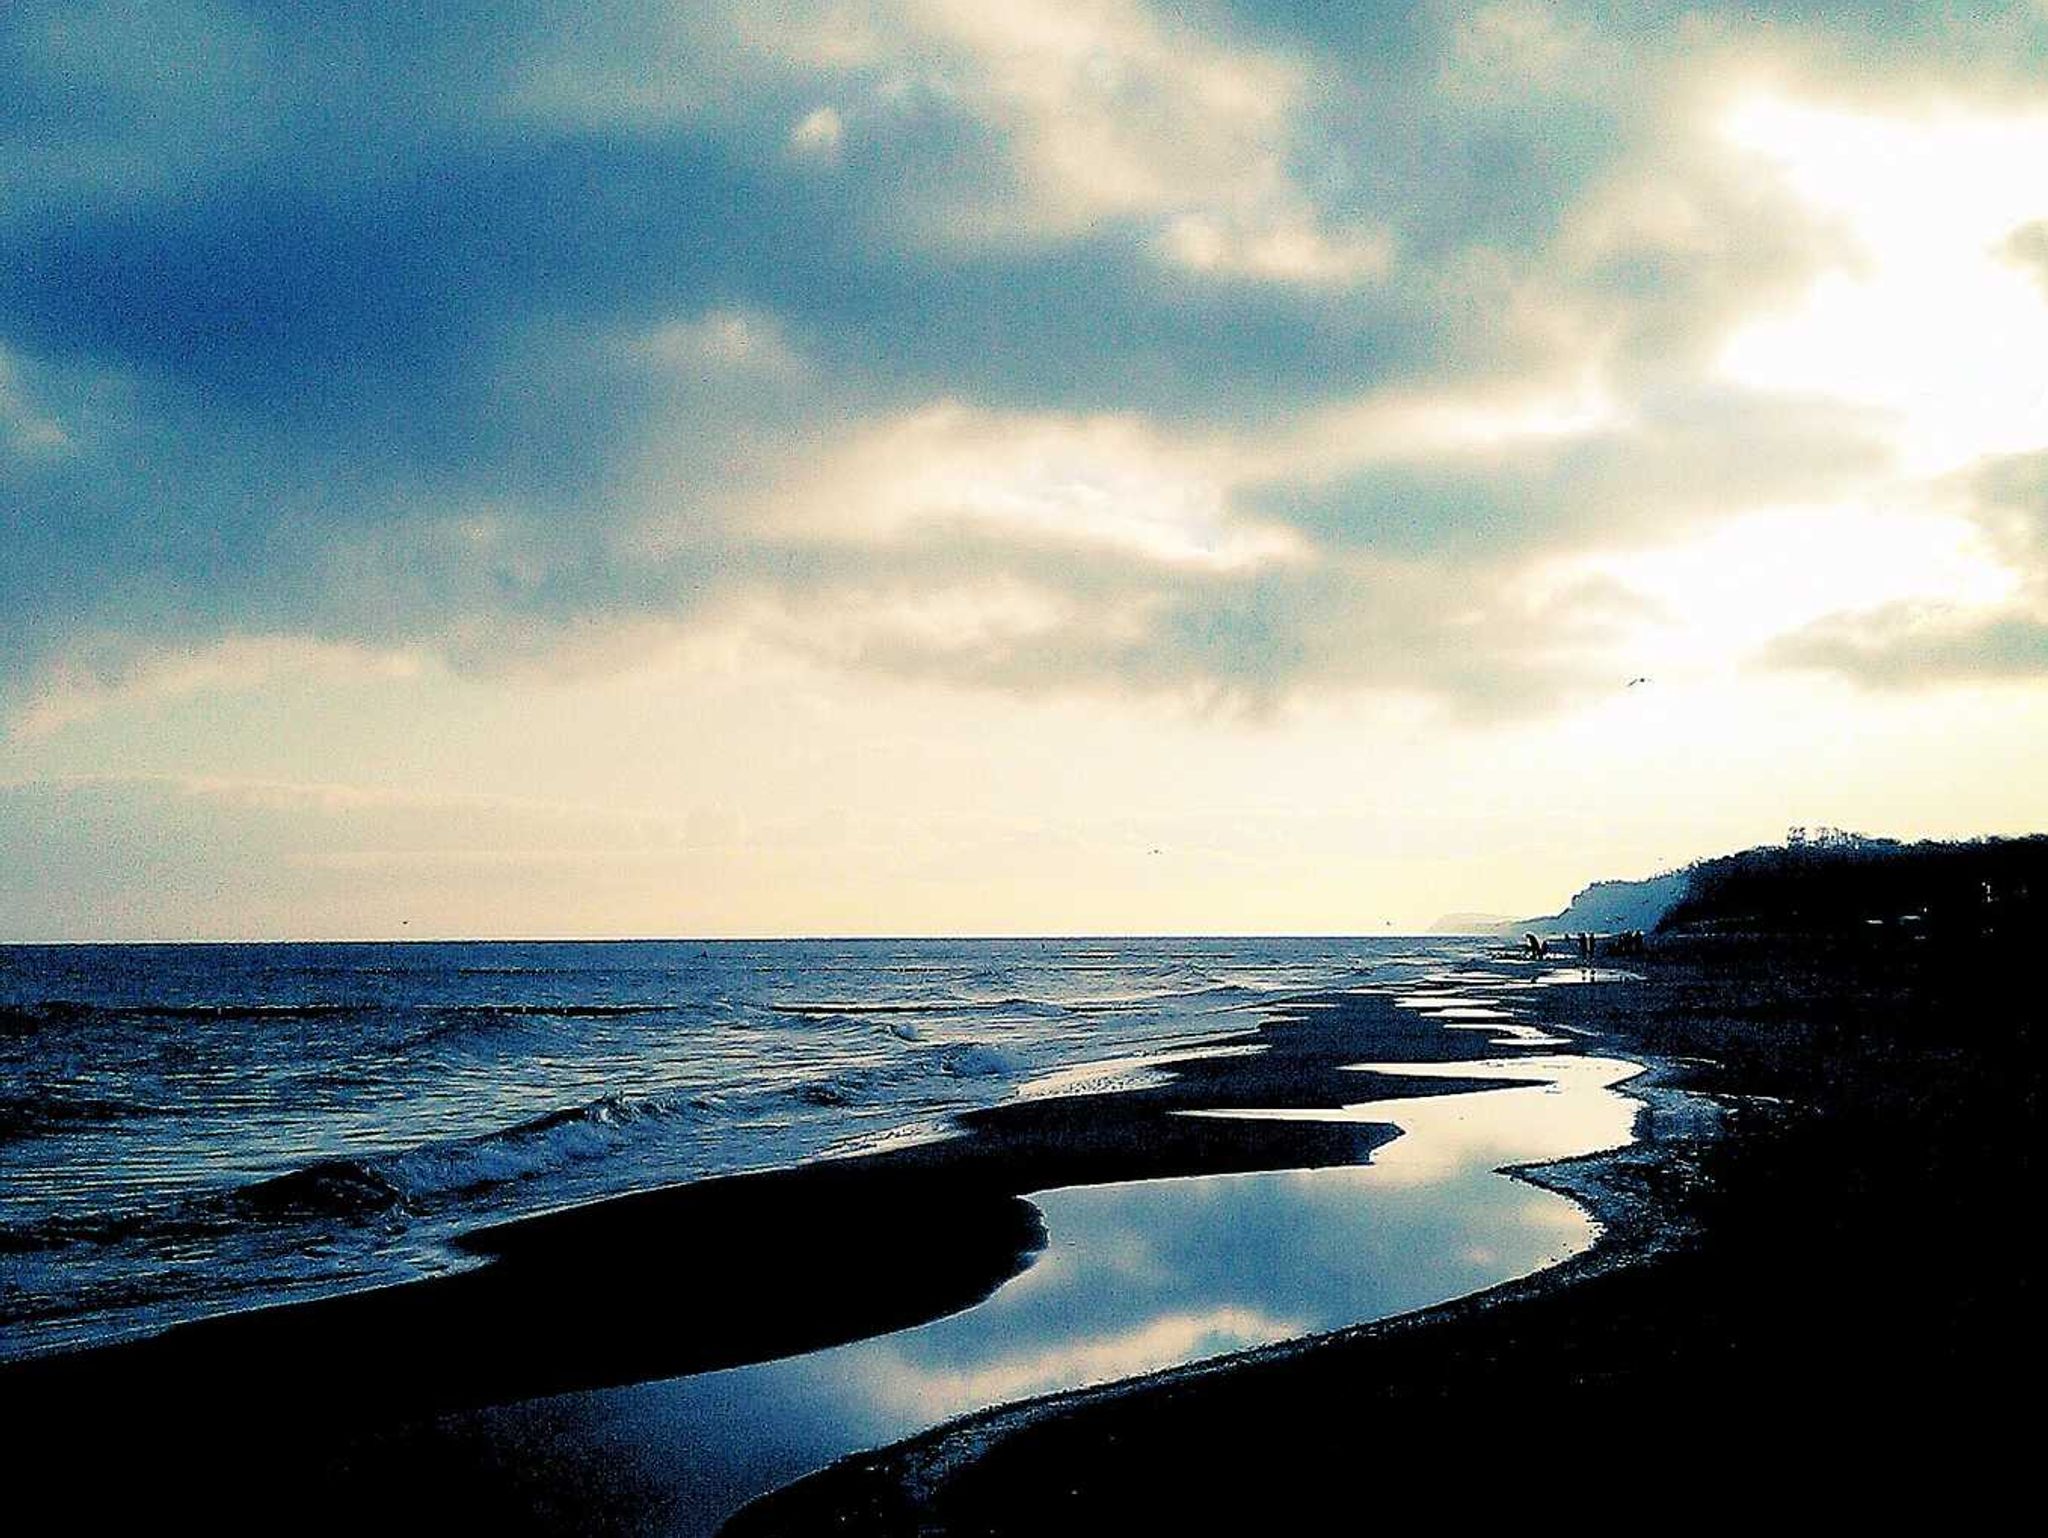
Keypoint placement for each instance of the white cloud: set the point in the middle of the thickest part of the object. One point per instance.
(720, 339)
(1934, 322)
(1062, 482)
(818, 135)
(974, 620)
(1113, 110)
(1717, 599)
(1159, 1342)
(1282, 251)
(1417, 425)
(1503, 51)
(1089, 111)
(26, 428)
(81, 688)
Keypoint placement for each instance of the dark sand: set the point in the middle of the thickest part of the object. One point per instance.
(1826, 1313)
(1829, 1314)
(348, 1411)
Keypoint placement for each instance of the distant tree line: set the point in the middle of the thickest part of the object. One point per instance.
(1828, 880)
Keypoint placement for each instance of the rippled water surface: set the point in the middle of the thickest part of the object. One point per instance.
(1137, 1277)
(190, 1128)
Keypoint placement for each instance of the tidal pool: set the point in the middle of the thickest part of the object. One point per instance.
(1137, 1277)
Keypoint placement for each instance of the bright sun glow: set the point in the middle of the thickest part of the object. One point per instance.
(1937, 322)
(1752, 578)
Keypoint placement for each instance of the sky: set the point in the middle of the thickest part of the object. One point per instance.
(1071, 466)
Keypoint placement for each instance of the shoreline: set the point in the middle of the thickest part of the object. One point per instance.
(1779, 1338)
(690, 1278)
(1744, 1289)
(1634, 1228)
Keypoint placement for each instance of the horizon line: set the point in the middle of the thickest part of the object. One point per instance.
(758, 939)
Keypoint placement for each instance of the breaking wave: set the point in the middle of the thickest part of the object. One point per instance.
(188, 1128)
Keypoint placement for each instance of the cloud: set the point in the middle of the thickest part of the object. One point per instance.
(1555, 474)
(84, 685)
(1928, 322)
(1060, 482)
(2009, 497)
(2029, 248)
(1109, 108)
(1053, 119)
(722, 341)
(1913, 644)
(114, 97)
(1501, 53)
(26, 429)
(818, 135)
(1487, 640)
(935, 1390)
(1223, 350)
(1278, 251)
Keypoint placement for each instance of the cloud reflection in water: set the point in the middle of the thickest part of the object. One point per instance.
(1147, 1275)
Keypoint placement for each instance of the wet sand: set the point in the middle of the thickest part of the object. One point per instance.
(355, 1407)
(1136, 1276)
(1829, 1313)
(1814, 1314)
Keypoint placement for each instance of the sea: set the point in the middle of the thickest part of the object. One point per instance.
(187, 1130)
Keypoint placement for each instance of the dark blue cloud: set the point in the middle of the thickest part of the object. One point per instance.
(309, 285)
(373, 297)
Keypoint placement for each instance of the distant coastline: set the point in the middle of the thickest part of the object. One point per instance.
(1832, 1268)
(1819, 881)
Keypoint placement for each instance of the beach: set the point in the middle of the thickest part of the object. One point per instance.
(885, 767)
(1814, 1315)
(1755, 1261)
(412, 1395)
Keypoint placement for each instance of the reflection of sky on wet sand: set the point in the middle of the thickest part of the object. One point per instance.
(1150, 1274)
(1565, 1109)
(1125, 1073)
(1564, 976)
(1467, 1012)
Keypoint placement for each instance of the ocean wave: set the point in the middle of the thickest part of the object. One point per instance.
(347, 1190)
(379, 1102)
(960, 1060)
(429, 1173)
(236, 1011)
(30, 1115)
(1197, 989)
(363, 1189)
(978, 1062)
(154, 1226)
(559, 1011)
(333, 1188)
(1013, 1004)
(433, 1025)
(30, 1018)
(840, 1089)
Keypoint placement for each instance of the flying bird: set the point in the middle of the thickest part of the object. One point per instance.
(1639, 679)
